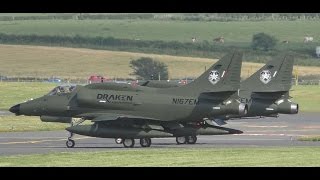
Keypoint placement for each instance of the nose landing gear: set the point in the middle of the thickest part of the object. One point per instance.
(70, 142)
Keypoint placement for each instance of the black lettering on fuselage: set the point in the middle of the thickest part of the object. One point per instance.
(186, 101)
(129, 98)
(105, 96)
(245, 100)
(115, 98)
(100, 96)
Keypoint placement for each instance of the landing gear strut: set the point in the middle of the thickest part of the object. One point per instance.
(145, 142)
(70, 142)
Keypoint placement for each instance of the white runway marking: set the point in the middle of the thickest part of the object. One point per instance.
(266, 126)
(267, 135)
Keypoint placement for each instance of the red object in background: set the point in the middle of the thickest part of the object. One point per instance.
(134, 83)
(97, 79)
(184, 82)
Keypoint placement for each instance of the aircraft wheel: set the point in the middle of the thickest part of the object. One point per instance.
(118, 140)
(192, 139)
(181, 140)
(145, 142)
(128, 143)
(70, 143)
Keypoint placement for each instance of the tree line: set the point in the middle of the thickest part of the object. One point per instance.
(205, 48)
(172, 16)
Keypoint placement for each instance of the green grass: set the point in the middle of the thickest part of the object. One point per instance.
(307, 96)
(182, 31)
(236, 34)
(27, 123)
(77, 63)
(282, 156)
(309, 138)
(14, 93)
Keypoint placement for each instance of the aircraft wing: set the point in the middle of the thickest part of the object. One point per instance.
(96, 117)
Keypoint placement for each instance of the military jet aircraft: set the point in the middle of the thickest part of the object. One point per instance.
(266, 91)
(126, 112)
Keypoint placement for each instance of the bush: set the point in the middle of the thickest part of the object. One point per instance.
(263, 41)
(148, 68)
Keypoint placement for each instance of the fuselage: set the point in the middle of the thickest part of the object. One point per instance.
(270, 104)
(162, 104)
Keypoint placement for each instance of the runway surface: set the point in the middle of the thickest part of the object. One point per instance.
(5, 113)
(282, 131)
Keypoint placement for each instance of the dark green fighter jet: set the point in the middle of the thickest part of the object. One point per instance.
(266, 91)
(127, 112)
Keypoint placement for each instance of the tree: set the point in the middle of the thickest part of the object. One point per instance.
(148, 68)
(263, 41)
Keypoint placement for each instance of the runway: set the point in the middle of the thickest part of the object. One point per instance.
(5, 113)
(282, 131)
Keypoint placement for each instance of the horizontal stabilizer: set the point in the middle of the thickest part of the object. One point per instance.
(215, 122)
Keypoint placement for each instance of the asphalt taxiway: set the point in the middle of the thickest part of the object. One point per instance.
(5, 113)
(281, 131)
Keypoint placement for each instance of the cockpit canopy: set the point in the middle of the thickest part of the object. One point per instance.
(62, 90)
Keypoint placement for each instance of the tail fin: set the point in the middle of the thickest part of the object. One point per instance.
(222, 76)
(275, 76)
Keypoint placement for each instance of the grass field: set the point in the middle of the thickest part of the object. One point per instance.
(27, 123)
(309, 138)
(282, 156)
(14, 93)
(74, 63)
(182, 31)
(308, 97)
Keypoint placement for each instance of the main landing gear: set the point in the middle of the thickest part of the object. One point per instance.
(129, 143)
(145, 142)
(186, 139)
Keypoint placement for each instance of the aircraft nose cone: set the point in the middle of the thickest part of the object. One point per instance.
(15, 109)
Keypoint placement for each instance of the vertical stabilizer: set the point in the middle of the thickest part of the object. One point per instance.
(275, 76)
